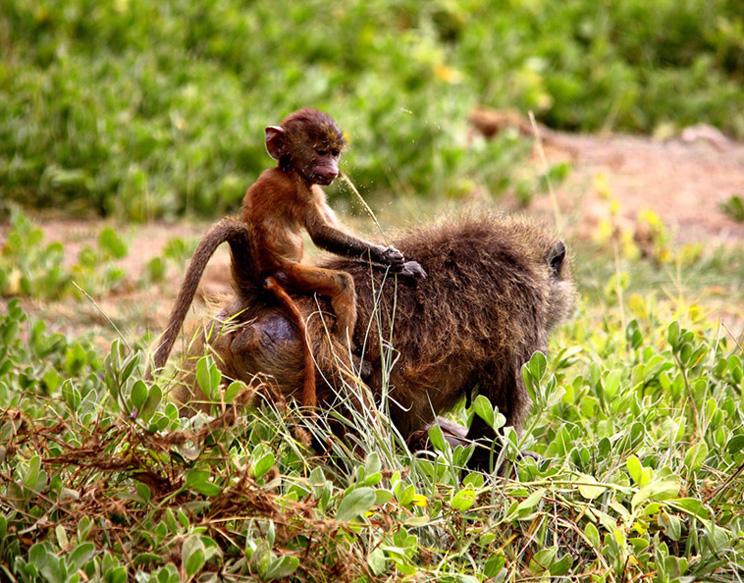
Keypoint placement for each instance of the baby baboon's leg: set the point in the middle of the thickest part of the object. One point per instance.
(338, 285)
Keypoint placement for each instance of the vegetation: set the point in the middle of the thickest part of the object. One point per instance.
(146, 109)
(140, 110)
(637, 422)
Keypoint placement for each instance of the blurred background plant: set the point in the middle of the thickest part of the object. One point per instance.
(146, 110)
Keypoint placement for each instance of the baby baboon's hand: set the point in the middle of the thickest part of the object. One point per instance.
(413, 269)
(391, 256)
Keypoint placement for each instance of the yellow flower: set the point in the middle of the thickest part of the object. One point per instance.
(448, 74)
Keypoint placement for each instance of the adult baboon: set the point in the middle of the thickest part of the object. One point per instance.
(496, 285)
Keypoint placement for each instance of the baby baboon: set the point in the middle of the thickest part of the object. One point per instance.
(277, 208)
(496, 286)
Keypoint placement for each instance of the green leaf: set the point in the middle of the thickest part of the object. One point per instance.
(32, 474)
(372, 464)
(671, 524)
(673, 334)
(464, 499)
(436, 437)
(377, 561)
(139, 395)
(691, 506)
(170, 521)
(543, 560)
(193, 555)
(538, 364)
(735, 444)
(406, 495)
(474, 480)
(143, 491)
(562, 566)
(587, 488)
(635, 469)
(270, 536)
(263, 465)
(282, 567)
(232, 391)
(418, 521)
(383, 497)
(355, 503)
(261, 559)
(37, 555)
(198, 480)
(611, 383)
(632, 332)
(530, 502)
(592, 534)
(483, 408)
(639, 544)
(116, 575)
(656, 491)
(695, 456)
(83, 529)
(208, 376)
(80, 556)
(154, 396)
(112, 244)
(61, 535)
(494, 565)
(48, 564)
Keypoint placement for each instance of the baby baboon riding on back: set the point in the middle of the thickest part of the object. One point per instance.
(278, 207)
(496, 286)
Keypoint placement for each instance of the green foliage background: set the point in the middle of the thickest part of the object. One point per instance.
(144, 109)
(147, 109)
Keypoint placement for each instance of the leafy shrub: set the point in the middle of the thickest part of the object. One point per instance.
(638, 425)
(147, 110)
(734, 207)
(29, 267)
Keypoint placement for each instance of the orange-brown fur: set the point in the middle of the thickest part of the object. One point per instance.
(285, 201)
(496, 286)
(277, 208)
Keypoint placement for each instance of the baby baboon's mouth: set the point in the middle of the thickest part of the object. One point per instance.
(323, 180)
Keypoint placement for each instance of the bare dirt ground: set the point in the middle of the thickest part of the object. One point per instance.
(682, 180)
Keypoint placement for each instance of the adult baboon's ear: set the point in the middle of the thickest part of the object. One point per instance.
(556, 256)
(275, 142)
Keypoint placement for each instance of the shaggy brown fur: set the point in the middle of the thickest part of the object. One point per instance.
(496, 286)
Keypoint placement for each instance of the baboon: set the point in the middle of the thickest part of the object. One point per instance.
(496, 286)
(283, 202)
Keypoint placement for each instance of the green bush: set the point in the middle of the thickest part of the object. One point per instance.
(638, 427)
(29, 267)
(155, 109)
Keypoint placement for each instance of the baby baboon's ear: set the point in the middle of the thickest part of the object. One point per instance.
(556, 256)
(275, 142)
